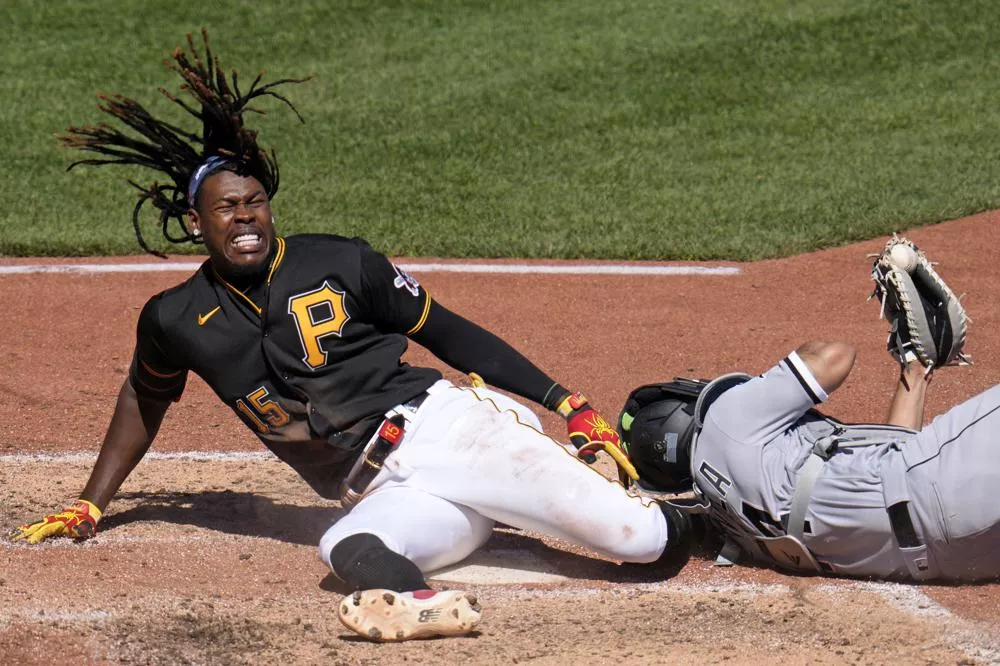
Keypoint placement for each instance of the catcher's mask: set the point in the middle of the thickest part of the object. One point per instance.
(658, 425)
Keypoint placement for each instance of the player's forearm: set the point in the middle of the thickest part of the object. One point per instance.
(907, 408)
(133, 426)
(468, 347)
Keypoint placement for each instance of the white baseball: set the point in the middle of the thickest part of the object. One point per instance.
(903, 257)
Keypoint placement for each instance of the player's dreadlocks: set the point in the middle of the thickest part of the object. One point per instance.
(184, 156)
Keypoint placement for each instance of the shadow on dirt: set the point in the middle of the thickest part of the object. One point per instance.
(248, 514)
(514, 558)
(240, 513)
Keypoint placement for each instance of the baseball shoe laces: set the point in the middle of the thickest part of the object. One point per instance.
(384, 615)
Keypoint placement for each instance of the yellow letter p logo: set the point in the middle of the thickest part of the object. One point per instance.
(318, 313)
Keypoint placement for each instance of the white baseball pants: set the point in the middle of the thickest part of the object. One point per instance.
(470, 457)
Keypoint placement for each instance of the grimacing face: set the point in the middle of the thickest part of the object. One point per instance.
(233, 214)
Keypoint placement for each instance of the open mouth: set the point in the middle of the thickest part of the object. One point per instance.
(248, 243)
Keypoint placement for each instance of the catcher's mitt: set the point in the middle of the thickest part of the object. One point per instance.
(927, 321)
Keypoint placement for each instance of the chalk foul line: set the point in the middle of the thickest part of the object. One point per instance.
(205, 456)
(517, 269)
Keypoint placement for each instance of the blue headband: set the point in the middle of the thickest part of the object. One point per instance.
(208, 167)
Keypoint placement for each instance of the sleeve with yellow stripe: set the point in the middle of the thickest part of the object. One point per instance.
(390, 298)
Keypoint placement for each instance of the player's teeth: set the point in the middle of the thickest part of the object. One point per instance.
(246, 240)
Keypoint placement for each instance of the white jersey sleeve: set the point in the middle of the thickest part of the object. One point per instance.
(766, 406)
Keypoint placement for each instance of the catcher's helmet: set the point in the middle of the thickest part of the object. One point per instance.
(659, 422)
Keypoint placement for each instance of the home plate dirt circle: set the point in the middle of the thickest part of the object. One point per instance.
(208, 554)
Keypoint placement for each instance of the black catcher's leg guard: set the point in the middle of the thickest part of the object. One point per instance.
(364, 562)
(680, 540)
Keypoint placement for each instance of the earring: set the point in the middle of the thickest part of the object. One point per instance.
(196, 232)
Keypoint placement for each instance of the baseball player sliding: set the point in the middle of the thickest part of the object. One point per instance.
(793, 488)
(302, 338)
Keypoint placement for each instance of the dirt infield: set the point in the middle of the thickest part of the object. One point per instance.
(211, 559)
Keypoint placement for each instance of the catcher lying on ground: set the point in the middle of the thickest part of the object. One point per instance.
(795, 489)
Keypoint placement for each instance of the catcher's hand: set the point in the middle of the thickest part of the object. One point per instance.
(927, 322)
(78, 521)
(589, 432)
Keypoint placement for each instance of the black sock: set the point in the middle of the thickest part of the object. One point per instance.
(364, 562)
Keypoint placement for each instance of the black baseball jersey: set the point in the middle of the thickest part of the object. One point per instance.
(308, 357)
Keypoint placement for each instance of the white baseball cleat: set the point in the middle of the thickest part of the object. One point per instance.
(384, 615)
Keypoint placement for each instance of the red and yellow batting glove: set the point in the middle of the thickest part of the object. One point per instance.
(589, 432)
(78, 521)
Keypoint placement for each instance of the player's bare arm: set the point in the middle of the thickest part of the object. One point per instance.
(907, 407)
(134, 424)
(829, 362)
(832, 362)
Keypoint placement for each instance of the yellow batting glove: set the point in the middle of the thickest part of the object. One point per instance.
(78, 521)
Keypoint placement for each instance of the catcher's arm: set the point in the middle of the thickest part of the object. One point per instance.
(134, 424)
(829, 362)
(907, 408)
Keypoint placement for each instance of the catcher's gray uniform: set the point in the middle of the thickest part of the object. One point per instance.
(863, 500)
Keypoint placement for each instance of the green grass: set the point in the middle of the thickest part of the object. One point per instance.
(730, 129)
